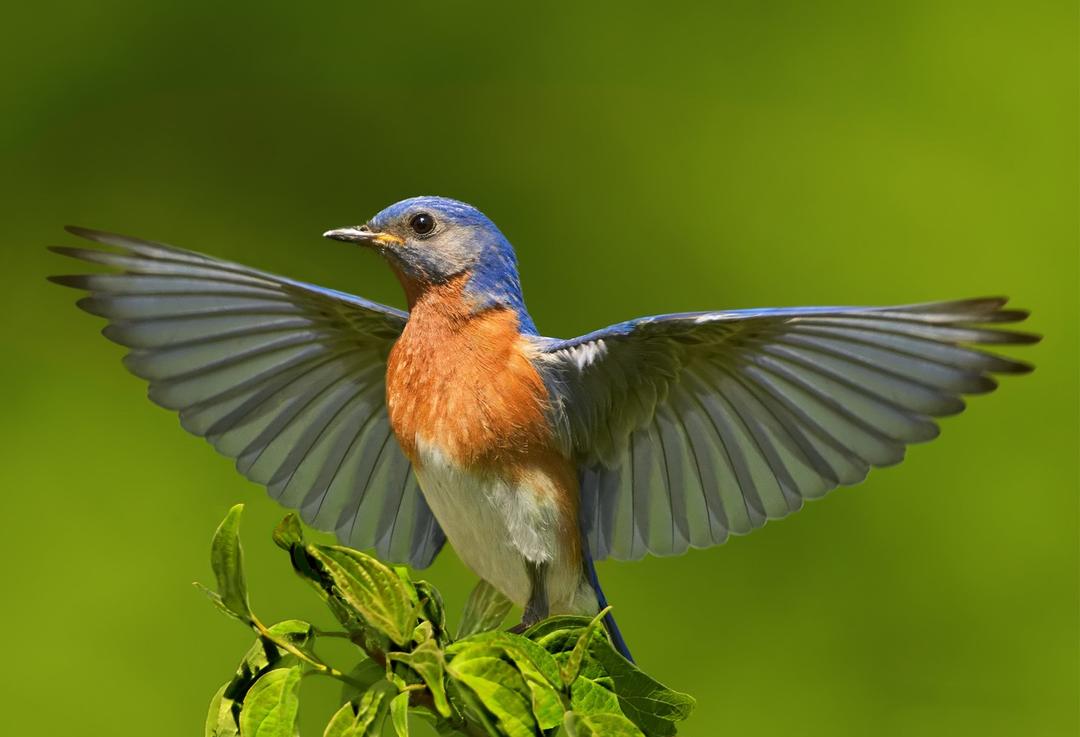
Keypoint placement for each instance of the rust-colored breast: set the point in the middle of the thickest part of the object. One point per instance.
(462, 381)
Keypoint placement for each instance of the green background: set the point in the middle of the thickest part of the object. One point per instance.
(643, 158)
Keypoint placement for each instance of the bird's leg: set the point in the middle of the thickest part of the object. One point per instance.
(537, 606)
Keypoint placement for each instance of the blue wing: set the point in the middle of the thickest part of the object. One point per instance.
(285, 377)
(690, 427)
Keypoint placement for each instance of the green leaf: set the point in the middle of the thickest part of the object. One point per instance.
(540, 658)
(489, 683)
(653, 707)
(557, 634)
(220, 718)
(472, 710)
(271, 706)
(547, 706)
(362, 718)
(423, 632)
(427, 660)
(403, 573)
(369, 588)
(288, 532)
(365, 674)
(309, 568)
(573, 664)
(600, 725)
(501, 689)
(590, 697)
(536, 665)
(262, 656)
(648, 703)
(227, 560)
(485, 610)
(215, 599)
(399, 714)
(431, 608)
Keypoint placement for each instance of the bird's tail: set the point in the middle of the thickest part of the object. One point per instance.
(609, 621)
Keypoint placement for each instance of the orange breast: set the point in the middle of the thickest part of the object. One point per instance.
(463, 381)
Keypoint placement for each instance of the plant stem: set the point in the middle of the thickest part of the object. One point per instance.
(318, 665)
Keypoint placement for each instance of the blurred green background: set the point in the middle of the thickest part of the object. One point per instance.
(643, 158)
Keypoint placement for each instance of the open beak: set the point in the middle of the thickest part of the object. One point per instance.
(363, 235)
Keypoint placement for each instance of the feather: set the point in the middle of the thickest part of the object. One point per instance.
(285, 377)
(710, 423)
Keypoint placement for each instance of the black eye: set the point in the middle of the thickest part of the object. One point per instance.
(422, 223)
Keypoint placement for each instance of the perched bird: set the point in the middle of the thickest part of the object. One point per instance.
(534, 456)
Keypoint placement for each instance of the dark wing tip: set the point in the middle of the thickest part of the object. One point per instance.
(105, 238)
(1022, 367)
(75, 281)
(88, 233)
(994, 314)
(1006, 316)
(1019, 337)
(1012, 337)
(990, 304)
(94, 305)
(115, 240)
(91, 255)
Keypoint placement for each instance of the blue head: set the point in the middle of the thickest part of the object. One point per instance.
(430, 240)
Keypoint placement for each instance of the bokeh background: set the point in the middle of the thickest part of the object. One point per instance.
(643, 157)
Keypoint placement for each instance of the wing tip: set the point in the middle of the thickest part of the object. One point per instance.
(1015, 367)
(81, 232)
(69, 251)
(126, 243)
(988, 311)
(1013, 314)
(1026, 338)
(97, 236)
(72, 281)
(93, 305)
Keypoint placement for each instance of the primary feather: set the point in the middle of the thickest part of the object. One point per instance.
(690, 427)
(287, 378)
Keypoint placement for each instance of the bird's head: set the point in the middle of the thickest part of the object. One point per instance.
(431, 240)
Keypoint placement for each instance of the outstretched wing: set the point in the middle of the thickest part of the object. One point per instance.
(691, 427)
(285, 377)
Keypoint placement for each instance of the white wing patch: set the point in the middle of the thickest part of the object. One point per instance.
(586, 354)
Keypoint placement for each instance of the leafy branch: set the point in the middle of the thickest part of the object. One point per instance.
(560, 677)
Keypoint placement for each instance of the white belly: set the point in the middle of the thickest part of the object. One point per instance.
(496, 526)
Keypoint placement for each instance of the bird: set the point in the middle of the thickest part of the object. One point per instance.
(534, 456)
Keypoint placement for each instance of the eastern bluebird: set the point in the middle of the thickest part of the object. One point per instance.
(534, 456)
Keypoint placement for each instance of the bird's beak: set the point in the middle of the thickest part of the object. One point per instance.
(363, 236)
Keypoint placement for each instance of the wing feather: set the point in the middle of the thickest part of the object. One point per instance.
(692, 426)
(285, 377)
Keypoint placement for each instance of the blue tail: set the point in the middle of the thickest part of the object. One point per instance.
(609, 621)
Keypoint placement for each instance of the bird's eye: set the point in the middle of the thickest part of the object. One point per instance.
(422, 223)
